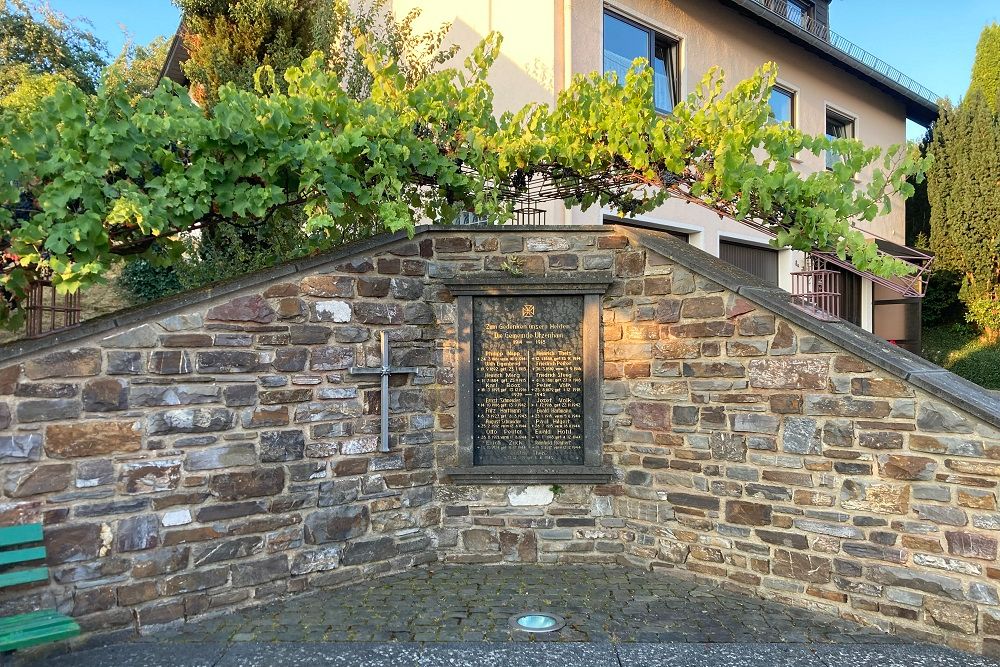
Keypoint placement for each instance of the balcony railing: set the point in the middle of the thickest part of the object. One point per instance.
(791, 14)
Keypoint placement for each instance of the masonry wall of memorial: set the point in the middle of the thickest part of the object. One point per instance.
(564, 395)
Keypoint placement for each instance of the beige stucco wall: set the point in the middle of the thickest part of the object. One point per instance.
(547, 41)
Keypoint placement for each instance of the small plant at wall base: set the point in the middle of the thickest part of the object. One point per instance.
(88, 180)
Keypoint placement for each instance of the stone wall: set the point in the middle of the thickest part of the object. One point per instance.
(214, 451)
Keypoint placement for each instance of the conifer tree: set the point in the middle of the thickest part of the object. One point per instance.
(964, 193)
(986, 66)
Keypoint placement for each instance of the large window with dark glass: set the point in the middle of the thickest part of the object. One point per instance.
(838, 126)
(624, 41)
(782, 103)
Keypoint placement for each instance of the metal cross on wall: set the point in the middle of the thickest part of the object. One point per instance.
(385, 371)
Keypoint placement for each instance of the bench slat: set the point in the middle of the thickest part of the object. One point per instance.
(58, 627)
(24, 576)
(13, 535)
(11, 623)
(21, 555)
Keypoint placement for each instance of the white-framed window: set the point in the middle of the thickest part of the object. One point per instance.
(625, 40)
(838, 126)
(782, 103)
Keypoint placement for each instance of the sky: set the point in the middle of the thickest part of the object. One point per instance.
(931, 41)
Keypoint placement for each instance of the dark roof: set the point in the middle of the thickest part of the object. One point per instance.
(920, 103)
(942, 384)
(175, 56)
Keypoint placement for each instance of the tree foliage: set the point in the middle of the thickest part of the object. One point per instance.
(965, 204)
(137, 67)
(918, 207)
(36, 40)
(89, 179)
(228, 40)
(986, 67)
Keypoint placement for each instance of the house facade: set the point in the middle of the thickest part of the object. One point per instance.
(825, 85)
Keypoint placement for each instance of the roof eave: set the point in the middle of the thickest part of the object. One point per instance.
(918, 109)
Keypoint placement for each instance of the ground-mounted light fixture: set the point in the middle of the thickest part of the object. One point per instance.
(536, 621)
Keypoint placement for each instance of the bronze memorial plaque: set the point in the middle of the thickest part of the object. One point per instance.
(527, 363)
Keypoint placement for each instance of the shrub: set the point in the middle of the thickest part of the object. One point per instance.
(941, 303)
(985, 314)
(143, 281)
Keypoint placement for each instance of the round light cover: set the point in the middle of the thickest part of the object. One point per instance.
(536, 621)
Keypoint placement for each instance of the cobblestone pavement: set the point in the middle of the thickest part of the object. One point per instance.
(457, 616)
(474, 603)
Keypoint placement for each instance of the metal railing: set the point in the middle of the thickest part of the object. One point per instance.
(816, 289)
(791, 13)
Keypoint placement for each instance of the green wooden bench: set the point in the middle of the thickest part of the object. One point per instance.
(37, 627)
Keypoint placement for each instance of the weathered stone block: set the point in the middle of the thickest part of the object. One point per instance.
(951, 516)
(728, 446)
(703, 307)
(955, 446)
(916, 580)
(881, 440)
(801, 566)
(290, 360)
(94, 472)
(755, 422)
(137, 533)
(174, 394)
(331, 358)
(650, 416)
(227, 456)
(46, 478)
(788, 373)
(105, 395)
(336, 524)
(693, 500)
(145, 335)
(712, 329)
(92, 438)
(899, 466)
(325, 411)
(41, 410)
(952, 616)
(328, 285)
(378, 312)
(308, 334)
(253, 484)
(333, 311)
(243, 309)
(78, 362)
(199, 580)
(868, 496)
(150, 476)
(190, 420)
(230, 361)
(46, 389)
(278, 446)
(971, 545)
(759, 324)
(20, 448)
(934, 417)
(316, 560)
(801, 436)
(791, 540)
(223, 550)
(748, 514)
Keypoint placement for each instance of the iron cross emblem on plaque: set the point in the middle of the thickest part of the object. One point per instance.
(385, 371)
